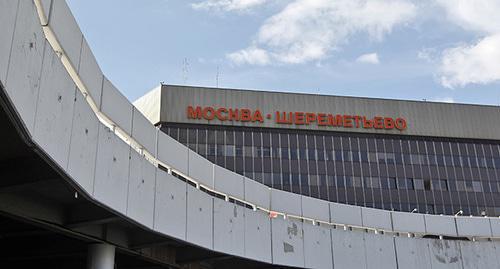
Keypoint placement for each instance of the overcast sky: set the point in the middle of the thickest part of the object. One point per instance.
(440, 50)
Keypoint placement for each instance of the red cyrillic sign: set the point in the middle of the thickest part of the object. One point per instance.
(296, 118)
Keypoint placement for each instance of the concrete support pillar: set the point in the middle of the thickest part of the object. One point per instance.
(101, 256)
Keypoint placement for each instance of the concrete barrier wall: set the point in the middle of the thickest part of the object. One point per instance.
(62, 124)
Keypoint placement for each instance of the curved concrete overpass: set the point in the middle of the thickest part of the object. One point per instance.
(74, 117)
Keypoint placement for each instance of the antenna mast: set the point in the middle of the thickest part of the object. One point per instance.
(185, 70)
(217, 78)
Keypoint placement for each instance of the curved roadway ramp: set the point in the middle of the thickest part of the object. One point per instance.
(80, 162)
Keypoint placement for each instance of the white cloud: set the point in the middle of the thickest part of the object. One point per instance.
(370, 58)
(251, 55)
(228, 5)
(481, 16)
(428, 54)
(309, 30)
(472, 64)
(477, 63)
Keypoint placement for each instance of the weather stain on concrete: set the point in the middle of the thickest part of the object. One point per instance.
(293, 230)
(287, 247)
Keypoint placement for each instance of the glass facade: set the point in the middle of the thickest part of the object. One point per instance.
(402, 173)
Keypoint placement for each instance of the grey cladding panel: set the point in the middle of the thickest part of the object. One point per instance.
(54, 114)
(144, 132)
(257, 193)
(90, 73)
(229, 228)
(201, 169)
(23, 77)
(380, 251)
(286, 202)
(199, 217)
(228, 182)
(317, 247)
(66, 30)
(413, 253)
(478, 255)
(441, 225)
(112, 170)
(348, 249)
(345, 214)
(141, 189)
(288, 242)
(172, 153)
(445, 254)
(8, 10)
(473, 226)
(116, 106)
(83, 147)
(170, 200)
(315, 208)
(257, 235)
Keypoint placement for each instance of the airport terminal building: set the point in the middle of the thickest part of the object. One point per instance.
(228, 177)
(426, 157)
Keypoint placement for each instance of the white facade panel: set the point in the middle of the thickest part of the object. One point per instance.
(172, 153)
(257, 193)
(257, 235)
(199, 218)
(376, 218)
(496, 244)
(8, 11)
(66, 30)
(317, 247)
(228, 182)
(440, 225)
(286, 202)
(144, 132)
(408, 222)
(201, 169)
(380, 251)
(315, 208)
(229, 228)
(288, 242)
(54, 114)
(348, 249)
(445, 254)
(90, 73)
(25, 64)
(141, 190)
(479, 255)
(111, 175)
(345, 214)
(413, 253)
(83, 147)
(495, 226)
(149, 105)
(116, 106)
(170, 205)
(473, 226)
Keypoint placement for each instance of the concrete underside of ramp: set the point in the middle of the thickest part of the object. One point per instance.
(47, 222)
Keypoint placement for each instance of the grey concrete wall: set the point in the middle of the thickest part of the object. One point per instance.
(61, 123)
(423, 118)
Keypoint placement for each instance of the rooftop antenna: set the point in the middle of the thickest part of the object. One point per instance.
(217, 78)
(185, 70)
